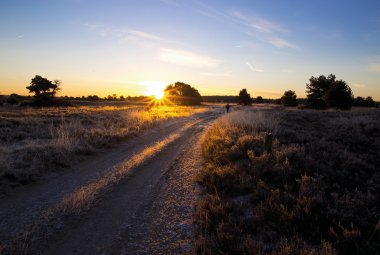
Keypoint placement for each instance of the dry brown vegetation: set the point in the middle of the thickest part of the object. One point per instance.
(39, 140)
(316, 193)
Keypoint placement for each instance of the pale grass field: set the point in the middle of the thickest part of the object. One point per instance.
(34, 141)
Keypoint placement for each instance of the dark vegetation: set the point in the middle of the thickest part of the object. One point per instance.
(364, 102)
(244, 97)
(289, 98)
(183, 94)
(45, 92)
(323, 92)
(316, 193)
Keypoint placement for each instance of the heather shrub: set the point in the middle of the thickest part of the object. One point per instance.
(316, 193)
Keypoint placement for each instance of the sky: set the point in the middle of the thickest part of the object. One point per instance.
(130, 47)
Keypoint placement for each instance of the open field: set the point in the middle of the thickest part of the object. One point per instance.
(317, 192)
(34, 141)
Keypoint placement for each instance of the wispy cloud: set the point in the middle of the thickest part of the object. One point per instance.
(264, 30)
(374, 67)
(253, 69)
(281, 43)
(125, 34)
(136, 34)
(187, 58)
(258, 24)
(217, 74)
(359, 85)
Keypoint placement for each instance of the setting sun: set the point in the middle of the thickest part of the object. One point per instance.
(159, 94)
(154, 88)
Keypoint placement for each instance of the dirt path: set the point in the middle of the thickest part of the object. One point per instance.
(147, 210)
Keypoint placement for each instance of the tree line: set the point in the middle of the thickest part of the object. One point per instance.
(322, 92)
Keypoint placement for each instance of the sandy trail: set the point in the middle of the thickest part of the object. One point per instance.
(148, 212)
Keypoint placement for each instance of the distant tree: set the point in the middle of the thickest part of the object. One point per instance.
(339, 96)
(42, 87)
(289, 98)
(182, 93)
(259, 100)
(364, 102)
(93, 98)
(44, 91)
(317, 88)
(244, 97)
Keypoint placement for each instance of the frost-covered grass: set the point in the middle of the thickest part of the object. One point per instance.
(34, 141)
(316, 193)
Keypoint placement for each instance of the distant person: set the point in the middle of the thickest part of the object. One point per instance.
(228, 107)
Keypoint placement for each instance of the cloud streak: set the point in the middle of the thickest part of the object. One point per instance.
(187, 58)
(281, 43)
(258, 24)
(125, 34)
(264, 30)
(253, 69)
(359, 85)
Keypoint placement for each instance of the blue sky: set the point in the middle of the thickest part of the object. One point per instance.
(220, 47)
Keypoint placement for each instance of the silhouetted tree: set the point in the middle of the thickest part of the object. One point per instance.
(41, 86)
(182, 93)
(317, 88)
(364, 102)
(93, 98)
(244, 97)
(44, 90)
(289, 98)
(339, 96)
(259, 100)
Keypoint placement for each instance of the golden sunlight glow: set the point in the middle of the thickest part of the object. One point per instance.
(159, 95)
(154, 88)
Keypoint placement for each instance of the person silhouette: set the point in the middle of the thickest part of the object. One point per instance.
(228, 107)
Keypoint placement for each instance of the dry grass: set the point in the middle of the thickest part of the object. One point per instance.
(38, 140)
(316, 193)
(84, 198)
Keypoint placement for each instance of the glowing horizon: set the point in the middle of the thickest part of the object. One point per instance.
(219, 47)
